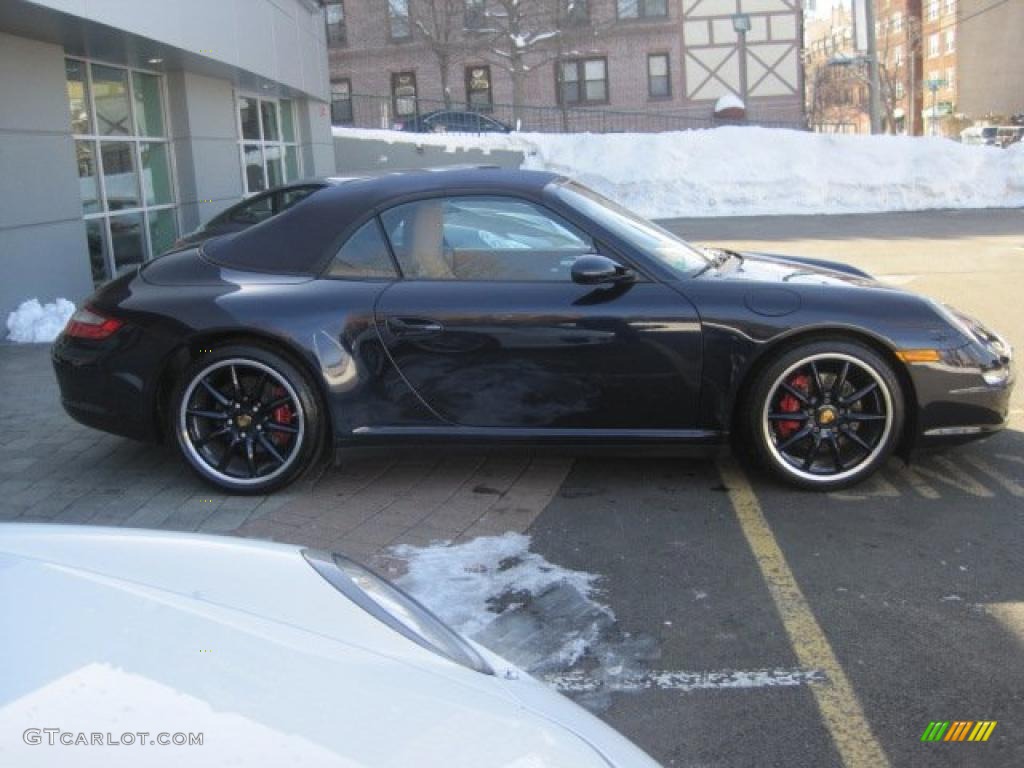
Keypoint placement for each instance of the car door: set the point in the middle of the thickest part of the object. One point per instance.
(488, 327)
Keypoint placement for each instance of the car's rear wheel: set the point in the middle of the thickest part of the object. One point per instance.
(825, 415)
(246, 419)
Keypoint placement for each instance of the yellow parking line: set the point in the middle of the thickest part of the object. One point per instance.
(840, 709)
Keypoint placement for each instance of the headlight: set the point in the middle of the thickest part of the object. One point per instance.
(390, 605)
(972, 329)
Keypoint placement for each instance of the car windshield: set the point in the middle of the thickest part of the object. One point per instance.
(672, 251)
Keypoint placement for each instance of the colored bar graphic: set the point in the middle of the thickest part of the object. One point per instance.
(982, 730)
(958, 730)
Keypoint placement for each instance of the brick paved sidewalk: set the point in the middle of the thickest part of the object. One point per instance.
(55, 470)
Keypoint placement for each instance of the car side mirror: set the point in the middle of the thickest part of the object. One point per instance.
(594, 269)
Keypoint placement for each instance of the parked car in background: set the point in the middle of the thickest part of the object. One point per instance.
(256, 208)
(1009, 134)
(452, 121)
(979, 135)
(272, 654)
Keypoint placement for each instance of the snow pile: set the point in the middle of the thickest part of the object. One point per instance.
(513, 601)
(729, 100)
(35, 322)
(735, 171)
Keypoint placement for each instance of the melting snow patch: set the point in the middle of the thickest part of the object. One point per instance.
(536, 614)
(547, 620)
(35, 322)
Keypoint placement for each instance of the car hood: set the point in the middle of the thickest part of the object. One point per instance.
(791, 270)
(120, 631)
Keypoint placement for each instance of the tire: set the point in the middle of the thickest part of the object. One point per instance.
(246, 420)
(824, 415)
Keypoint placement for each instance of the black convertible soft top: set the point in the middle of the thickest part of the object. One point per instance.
(303, 239)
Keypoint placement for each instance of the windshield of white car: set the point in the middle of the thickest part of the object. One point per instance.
(670, 250)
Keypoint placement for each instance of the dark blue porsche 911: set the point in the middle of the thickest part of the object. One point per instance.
(494, 307)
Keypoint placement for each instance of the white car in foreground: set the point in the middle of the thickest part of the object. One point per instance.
(129, 647)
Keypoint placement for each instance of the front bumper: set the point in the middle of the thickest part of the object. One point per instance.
(964, 397)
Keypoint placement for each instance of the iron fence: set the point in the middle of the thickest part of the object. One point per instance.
(367, 111)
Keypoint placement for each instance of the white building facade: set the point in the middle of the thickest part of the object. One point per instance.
(125, 123)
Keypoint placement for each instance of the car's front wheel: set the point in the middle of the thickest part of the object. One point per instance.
(246, 419)
(825, 415)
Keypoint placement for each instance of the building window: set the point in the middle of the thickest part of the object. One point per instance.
(123, 154)
(399, 27)
(933, 10)
(897, 55)
(475, 15)
(575, 13)
(899, 90)
(341, 102)
(336, 33)
(897, 22)
(270, 155)
(403, 93)
(951, 78)
(659, 82)
(583, 81)
(642, 9)
(950, 6)
(478, 88)
(950, 40)
(933, 45)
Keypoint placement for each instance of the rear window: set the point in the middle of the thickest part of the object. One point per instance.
(364, 255)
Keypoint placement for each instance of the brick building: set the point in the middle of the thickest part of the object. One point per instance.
(939, 62)
(658, 57)
(898, 38)
(836, 93)
(837, 76)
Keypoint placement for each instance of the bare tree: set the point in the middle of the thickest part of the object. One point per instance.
(516, 33)
(440, 23)
(898, 76)
(522, 35)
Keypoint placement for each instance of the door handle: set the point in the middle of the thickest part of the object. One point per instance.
(413, 326)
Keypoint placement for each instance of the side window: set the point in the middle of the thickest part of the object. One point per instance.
(483, 238)
(254, 211)
(364, 254)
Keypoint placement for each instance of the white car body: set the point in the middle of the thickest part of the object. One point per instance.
(110, 632)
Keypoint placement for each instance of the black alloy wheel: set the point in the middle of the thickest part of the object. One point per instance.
(826, 415)
(246, 419)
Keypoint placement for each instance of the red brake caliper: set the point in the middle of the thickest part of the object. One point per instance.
(282, 415)
(789, 404)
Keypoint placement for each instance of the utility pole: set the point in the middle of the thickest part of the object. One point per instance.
(874, 86)
(741, 25)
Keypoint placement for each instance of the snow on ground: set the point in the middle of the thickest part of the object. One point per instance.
(494, 590)
(736, 171)
(550, 621)
(35, 322)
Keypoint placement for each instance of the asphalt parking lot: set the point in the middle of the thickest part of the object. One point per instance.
(755, 625)
(879, 609)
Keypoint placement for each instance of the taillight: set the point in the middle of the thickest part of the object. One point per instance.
(87, 323)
